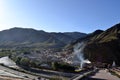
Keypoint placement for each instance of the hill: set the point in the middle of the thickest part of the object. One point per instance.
(24, 37)
(102, 46)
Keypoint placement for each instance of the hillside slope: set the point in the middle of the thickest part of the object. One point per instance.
(23, 37)
(102, 46)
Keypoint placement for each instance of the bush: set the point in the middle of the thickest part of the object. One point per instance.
(24, 62)
(55, 78)
(62, 67)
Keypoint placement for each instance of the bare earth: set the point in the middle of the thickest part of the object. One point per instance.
(104, 75)
(9, 74)
(9, 78)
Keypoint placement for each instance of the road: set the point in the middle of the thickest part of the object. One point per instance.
(47, 73)
(81, 75)
(102, 75)
(4, 71)
(50, 73)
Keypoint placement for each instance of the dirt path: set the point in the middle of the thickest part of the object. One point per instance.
(10, 78)
(4, 71)
(103, 75)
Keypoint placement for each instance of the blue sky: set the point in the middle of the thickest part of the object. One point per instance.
(60, 15)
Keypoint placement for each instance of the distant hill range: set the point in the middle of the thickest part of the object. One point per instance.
(25, 37)
(102, 46)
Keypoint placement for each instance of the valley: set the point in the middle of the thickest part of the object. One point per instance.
(38, 55)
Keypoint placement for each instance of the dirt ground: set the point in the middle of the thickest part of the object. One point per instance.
(104, 75)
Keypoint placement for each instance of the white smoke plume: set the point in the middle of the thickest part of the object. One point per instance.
(78, 51)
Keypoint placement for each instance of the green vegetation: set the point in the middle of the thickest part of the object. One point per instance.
(114, 73)
(58, 78)
(55, 78)
(24, 61)
(102, 46)
(62, 67)
(22, 37)
(5, 53)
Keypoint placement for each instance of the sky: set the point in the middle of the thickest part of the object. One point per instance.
(59, 15)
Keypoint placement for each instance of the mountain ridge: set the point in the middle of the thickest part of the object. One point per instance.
(102, 46)
(35, 38)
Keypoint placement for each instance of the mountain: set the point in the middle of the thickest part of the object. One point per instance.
(102, 46)
(24, 37)
(68, 37)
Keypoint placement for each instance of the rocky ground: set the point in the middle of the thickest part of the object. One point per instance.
(102, 75)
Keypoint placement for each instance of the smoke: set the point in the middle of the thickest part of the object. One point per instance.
(78, 51)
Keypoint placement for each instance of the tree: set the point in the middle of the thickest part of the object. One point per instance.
(24, 62)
